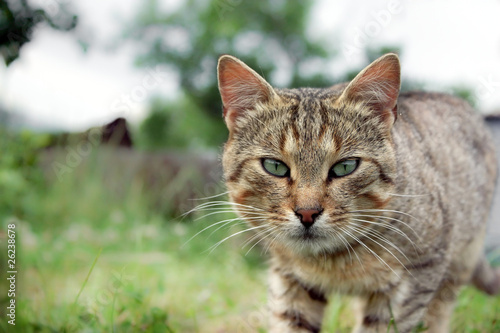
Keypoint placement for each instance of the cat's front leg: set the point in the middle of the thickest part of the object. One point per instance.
(294, 306)
(398, 310)
(376, 316)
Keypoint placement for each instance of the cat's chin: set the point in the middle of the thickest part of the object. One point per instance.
(311, 244)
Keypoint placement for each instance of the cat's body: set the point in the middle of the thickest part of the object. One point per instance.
(350, 200)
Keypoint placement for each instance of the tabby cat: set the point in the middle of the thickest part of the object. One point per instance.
(360, 190)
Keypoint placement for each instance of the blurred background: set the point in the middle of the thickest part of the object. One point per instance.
(111, 130)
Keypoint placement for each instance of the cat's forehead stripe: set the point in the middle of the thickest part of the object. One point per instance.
(311, 122)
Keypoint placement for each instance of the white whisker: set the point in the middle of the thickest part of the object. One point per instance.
(219, 203)
(385, 210)
(269, 233)
(408, 195)
(214, 213)
(213, 247)
(383, 239)
(211, 197)
(391, 219)
(257, 235)
(210, 226)
(367, 248)
(272, 241)
(345, 241)
(387, 225)
(241, 222)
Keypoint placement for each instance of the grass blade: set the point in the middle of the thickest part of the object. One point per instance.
(88, 275)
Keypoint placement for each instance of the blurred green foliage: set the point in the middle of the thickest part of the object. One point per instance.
(269, 36)
(20, 177)
(191, 38)
(18, 19)
(465, 92)
(179, 125)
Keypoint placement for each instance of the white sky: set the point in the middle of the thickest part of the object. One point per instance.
(56, 85)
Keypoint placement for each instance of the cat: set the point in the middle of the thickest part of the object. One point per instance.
(360, 190)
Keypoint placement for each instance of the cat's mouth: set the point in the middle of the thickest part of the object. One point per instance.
(307, 235)
(308, 241)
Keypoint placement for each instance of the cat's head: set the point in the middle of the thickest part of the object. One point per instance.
(301, 164)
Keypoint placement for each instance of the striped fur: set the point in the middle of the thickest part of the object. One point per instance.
(403, 232)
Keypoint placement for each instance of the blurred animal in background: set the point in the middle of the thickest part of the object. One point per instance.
(169, 180)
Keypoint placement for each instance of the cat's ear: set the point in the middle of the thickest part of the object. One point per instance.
(240, 87)
(378, 86)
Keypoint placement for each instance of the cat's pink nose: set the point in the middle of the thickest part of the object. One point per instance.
(308, 216)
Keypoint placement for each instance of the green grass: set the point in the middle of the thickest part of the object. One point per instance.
(126, 266)
(142, 280)
(92, 259)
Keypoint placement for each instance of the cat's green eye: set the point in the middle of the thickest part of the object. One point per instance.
(343, 168)
(275, 167)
